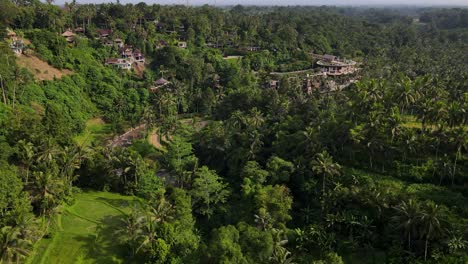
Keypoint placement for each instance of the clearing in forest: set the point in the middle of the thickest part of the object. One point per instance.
(86, 231)
(96, 131)
(41, 69)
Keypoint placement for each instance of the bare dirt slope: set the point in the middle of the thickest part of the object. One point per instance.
(41, 69)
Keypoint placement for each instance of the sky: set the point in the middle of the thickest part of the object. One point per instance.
(295, 2)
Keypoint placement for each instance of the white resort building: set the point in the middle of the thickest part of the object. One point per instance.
(333, 66)
(120, 63)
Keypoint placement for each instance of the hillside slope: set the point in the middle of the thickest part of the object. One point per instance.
(41, 69)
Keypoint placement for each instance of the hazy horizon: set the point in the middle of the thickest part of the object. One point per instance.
(380, 3)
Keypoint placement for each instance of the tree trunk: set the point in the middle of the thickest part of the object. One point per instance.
(455, 165)
(14, 96)
(409, 241)
(3, 91)
(425, 248)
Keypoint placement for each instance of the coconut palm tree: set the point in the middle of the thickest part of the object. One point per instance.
(432, 224)
(13, 247)
(161, 211)
(132, 229)
(325, 166)
(407, 218)
(26, 154)
(48, 190)
(405, 94)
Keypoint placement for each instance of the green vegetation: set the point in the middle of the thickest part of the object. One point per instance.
(86, 231)
(258, 164)
(96, 131)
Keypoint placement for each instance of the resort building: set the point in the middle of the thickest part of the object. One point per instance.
(138, 56)
(120, 63)
(161, 44)
(334, 66)
(158, 84)
(17, 46)
(119, 42)
(11, 35)
(79, 30)
(273, 84)
(104, 33)
(69, 36)
(126, 52)
(182, 44)
(109, 43)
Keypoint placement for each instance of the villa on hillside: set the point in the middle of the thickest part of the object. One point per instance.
(334, 66)
(104, 33)
(119, 43)
(252, 48)
(69, 36)
(158, 84)
(182, 44)
(138, 56)
(109, 43)
(273, 84)
(16, 44)
(127, 52)
(128, 56)
(79, 30)
(11, 35)
(119, 63)
(161, 44)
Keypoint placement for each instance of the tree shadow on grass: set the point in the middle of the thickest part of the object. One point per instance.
(116, 203)
(104, 245)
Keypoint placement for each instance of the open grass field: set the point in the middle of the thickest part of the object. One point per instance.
(87, 231)
(96, 131)
(233, 59)
(410, 121)
(41, 69)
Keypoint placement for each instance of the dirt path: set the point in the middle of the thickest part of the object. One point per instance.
(296, 72)
(155, 140)
(126, 138)
(232, 57)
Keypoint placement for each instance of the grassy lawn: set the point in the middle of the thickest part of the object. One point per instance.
(233, 60)
(87, 231)
(96, 131)
(410, 121)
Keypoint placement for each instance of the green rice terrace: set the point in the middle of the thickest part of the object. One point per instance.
(86, 231)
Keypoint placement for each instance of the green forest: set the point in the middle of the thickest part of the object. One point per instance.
(199, 134)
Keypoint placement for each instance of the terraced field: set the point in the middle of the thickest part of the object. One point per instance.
(87, 231)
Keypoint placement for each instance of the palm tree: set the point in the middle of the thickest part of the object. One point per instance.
(324, 165)
(49, 150)
(310, 143)
(149, 237)
(13, 247)
(26, 153)
(255, 119)
(71, 158)
(460, 140)
(161, 211)
(432, 224)
(406, 95)
(48, 190)
(407, 218)
(280, 254)
(237, 121)
(132, 229)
